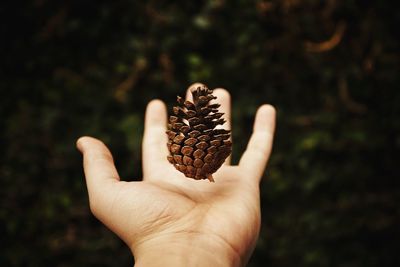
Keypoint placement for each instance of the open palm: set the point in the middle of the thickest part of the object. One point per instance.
(167, 212)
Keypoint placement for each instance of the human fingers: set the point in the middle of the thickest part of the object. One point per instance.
(224, 99)
(100, 171)
(258, 150)
(154, 145)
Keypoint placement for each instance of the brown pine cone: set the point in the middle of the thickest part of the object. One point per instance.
(196, 148)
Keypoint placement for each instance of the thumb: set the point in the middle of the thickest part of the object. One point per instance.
(100, 172)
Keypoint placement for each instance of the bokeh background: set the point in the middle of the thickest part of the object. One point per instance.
(331, 194)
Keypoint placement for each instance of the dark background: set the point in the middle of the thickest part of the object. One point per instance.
(331, 194)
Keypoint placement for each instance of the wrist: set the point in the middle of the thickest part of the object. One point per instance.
(192, 250)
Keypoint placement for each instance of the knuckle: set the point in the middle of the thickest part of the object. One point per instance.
(102, 158)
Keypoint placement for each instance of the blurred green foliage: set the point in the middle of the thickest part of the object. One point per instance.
(70, 68)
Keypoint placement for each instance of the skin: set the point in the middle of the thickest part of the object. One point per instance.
(170, 220)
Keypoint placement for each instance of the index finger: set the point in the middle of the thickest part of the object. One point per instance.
(154, 144)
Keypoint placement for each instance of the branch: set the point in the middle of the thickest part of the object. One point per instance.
(125, 86)
(346, 98)
(328, 44)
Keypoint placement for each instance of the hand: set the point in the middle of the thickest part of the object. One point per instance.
(170, 220)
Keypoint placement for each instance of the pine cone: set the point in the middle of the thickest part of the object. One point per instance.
(196, 148)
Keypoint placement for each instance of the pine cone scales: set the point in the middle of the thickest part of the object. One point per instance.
(196, 148)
